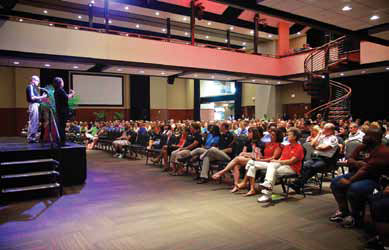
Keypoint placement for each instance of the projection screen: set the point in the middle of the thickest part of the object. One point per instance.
(98, 90)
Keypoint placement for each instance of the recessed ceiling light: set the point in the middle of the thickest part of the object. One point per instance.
(186, 34)
(195, 75)
(119, 69)
(293, 95)
(79, 17)
(109, 21)
(278, 82)
(142, 72)
(213, 77)
(374, 17)
(244, 48)
(51, 24)
(187, 43)
(92, 2)
(137, 25)
(267, 81)
(20, 20)
(226, 40)
(207, 37)
(209, 23)
(126, 8)
(231, 28)
(16, 63)
(253, 80)
(244, 43)
(342, 74)
(347, 8)
(127, 34)
(47, 65)
(163, 73)
(76, 28)
(219, 48)
(299, 33)
(323, 76)
(75, 67)
(45, 11)
(184, 18)
(363, 71)
(157, 13)
(270, 35)
(163, 30)
(252, 32)
(387, 68)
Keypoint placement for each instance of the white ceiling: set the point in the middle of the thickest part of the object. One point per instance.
(30, 63)
(330, 11)
(141, 71)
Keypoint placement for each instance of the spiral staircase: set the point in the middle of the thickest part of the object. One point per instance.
(332, 98)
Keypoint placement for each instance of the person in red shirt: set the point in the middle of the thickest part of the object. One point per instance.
(272, 152)
(290, 162)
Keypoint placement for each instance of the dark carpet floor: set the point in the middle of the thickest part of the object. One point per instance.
(127, 205)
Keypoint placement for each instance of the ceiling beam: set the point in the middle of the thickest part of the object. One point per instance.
(252, 5)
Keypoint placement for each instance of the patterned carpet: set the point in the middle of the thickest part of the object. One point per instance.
(127, 205)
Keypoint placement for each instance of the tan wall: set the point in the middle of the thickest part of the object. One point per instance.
(7, 83)
(286, 92)
(248, 92)
(177, 95)
(190, 94)
(298, 42)
(158, 93)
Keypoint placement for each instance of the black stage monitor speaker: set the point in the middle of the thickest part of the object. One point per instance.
(8, 4)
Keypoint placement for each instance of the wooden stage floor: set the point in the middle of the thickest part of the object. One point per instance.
(127, 205)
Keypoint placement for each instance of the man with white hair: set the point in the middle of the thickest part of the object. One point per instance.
(325, 146)
(33, 99)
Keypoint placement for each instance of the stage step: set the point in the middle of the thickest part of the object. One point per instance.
(31, 188)
(30, 162)
(30, 174)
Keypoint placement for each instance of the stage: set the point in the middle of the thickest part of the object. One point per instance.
(72, 157)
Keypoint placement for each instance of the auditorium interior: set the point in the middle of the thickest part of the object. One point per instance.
(194, 124)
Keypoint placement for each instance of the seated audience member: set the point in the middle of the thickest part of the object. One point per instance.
(100, 131)
(290, 162)
(367, 163)
(124, 140)
(379, 207)
(251, 150)
(174, 140)
(154, 137)
(325, 146)
(193, 141)
(212, 140)
(219, 153)
(272, 152)
(315, 131)
(164, 136)
(342, 134)
(355, 134)
(266, 135)
(306, 130)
